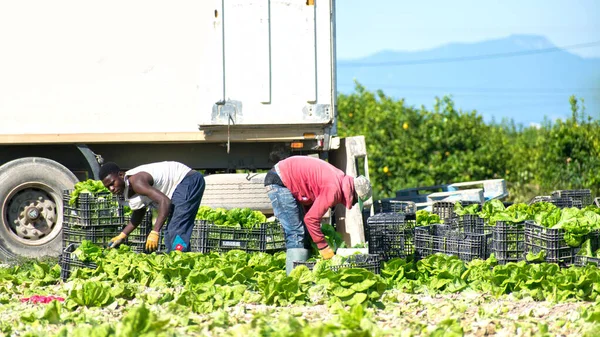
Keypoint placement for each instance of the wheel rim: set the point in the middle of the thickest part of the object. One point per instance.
(31, 213)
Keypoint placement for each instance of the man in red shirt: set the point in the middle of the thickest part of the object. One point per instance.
(302, 189)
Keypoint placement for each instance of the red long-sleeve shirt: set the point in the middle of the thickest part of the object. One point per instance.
(317, 185)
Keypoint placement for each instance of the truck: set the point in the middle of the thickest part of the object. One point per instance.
(223, 86)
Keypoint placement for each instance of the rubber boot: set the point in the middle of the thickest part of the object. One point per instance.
(294, 254)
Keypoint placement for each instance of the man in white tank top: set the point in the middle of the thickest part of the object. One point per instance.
(171, 187)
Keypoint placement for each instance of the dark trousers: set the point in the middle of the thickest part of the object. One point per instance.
(184, 206)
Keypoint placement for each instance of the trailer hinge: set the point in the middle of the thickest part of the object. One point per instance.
(229, 109)
(229, 121)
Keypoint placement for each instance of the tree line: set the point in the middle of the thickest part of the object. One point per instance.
(411, 146)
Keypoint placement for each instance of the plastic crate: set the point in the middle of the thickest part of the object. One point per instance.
(390, 235)
(96, 218)
(445, 209)
(69, 263)
(407, 208)
(370, 262)
(93, 210)
(465, 237)
(268, 237)
(508, 242)
(538, 238)
(579, 197)
(102, 234)
(566, 202)
(468, 224)
(586, 260)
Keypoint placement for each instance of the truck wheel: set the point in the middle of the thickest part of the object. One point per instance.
(31, 207)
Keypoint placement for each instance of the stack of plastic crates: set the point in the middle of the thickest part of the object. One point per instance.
(573, 198)
(465, 237)
(370, 262)
(390, 235)
(552, 241)
(508, 241)
(266, 237)
(445, 209)
(69, 262)
(567, 198)
(98, 218)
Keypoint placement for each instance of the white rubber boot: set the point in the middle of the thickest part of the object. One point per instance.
(294, 254)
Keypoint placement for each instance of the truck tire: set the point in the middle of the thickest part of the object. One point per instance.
(31, 207)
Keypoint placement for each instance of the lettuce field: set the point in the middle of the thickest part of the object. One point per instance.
(96, 292)
(240, 294)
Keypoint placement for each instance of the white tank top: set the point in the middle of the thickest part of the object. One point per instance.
(166, 175)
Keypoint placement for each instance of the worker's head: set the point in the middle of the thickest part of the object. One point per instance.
(112, 178)
(362, 189)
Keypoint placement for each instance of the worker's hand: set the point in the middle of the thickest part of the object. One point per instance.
(152, 241)
(326, 253)
(117, 240)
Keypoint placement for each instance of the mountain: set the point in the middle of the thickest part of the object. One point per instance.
(520, 77)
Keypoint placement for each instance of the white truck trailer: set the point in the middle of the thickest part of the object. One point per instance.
(217, 85)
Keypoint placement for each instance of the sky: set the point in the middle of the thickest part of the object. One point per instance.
(365, 27)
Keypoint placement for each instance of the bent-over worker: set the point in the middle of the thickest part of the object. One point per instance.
(302, 189)
(173, 188)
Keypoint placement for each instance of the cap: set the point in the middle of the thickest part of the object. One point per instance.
(362, 186)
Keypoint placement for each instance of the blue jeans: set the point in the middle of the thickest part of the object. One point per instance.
(184, 206)
(291, 215)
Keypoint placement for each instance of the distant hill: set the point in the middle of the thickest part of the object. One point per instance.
(524, 88)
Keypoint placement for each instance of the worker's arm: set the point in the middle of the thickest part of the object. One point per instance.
(315, 214)
(136, 219)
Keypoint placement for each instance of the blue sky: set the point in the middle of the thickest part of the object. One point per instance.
(365, 27)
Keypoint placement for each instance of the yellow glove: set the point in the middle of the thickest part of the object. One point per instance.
(152, 241)
(117, 240)
(326, 253)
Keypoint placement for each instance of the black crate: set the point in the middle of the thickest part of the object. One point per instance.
(566, 202)
(465, 237)
(93, 210)
(408, 208)
(508, 243)
(445, 209)
(98, 235)
(468, 224)
(96, 218)
(267, 237)
(101, 234)
(586, 260)
(370, 262)
(69, 263)
(538, 238)
(390, 235)
(580, 198)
